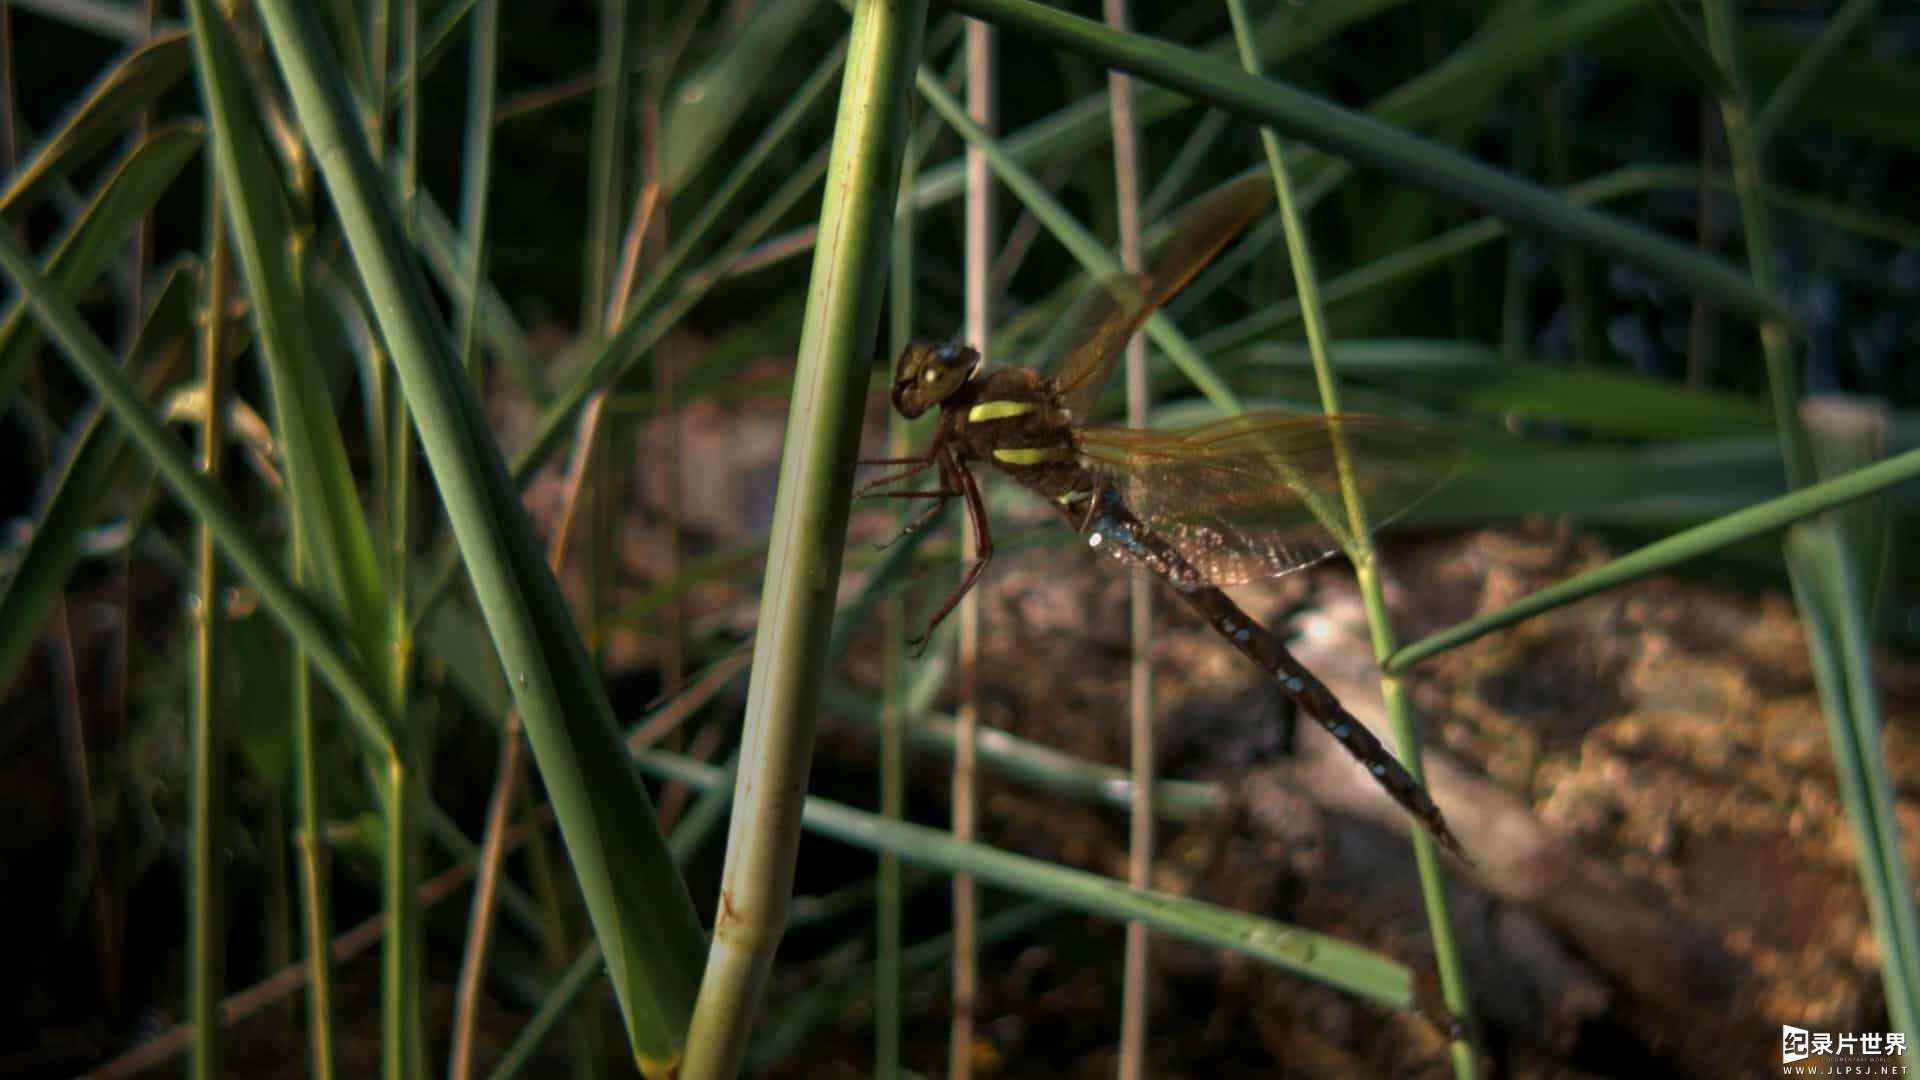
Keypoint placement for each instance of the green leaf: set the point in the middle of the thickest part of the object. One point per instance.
(1855, 93)
(79, 481)
(104, 115)
(705, 105)
(641, 911)
(320, 484)
(1686, 38)
(98, 234)
(1616, 404)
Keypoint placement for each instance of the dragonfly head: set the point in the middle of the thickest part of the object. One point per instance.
(928, 374)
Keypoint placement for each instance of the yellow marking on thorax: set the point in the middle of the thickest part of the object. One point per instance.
(1028, 455)
(999, 410)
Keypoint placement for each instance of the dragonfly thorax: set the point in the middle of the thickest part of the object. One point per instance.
(930, 372)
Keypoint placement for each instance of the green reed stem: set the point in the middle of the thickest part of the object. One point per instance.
(1366, 567)
(808, 534)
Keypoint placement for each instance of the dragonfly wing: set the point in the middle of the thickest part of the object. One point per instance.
(1259, 495)
(1114, 311)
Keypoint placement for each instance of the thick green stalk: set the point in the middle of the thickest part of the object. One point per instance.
(808, 532)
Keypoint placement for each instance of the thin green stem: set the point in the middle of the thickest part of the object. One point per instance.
(1137, 974)
(1749, 189)
(1372, 142)
(1740, 525)
(1843, 24)
(607, 200)
(1328, 960)
(206, 928)
(889, 896)
(286, 604)
(1366, 565)
(483, 63)
(1826, 592)
(315, 864)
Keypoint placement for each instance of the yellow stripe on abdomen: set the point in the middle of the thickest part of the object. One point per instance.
(999, 410)
(1028, 455)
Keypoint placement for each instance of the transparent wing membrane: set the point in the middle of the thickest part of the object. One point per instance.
(1114, 310)
(1259, 495)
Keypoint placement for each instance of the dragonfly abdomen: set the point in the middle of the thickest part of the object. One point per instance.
(1112, 527)
(1115, 530)
(1313, 697)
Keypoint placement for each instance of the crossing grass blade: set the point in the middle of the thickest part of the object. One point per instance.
(637, 902)
(93, 453)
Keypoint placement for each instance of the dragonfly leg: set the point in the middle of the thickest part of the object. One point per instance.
(914, 467)
(977, 517)
(872, 487)
(1093, 505)
(939, 500)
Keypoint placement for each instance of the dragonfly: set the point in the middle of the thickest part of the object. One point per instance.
(1251, 496)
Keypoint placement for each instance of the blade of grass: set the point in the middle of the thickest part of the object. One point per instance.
(1835, 557)
(1845, 22)
(1058, 774)
(639, 907)
(288, 606)
(99, 119)
(320, 482)
(643, 327)
(607, 192)
(1369, 141)
(99, 233)
(1755, 520)
(1326, 960)
(1748, 184)
(1832, 608)
(1438, 251)
(79, 480)
(1084, 125)
(712, 98)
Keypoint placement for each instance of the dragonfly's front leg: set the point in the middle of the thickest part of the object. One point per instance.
(977, 518)
(939, 498)
(871, 489)
(915, 466)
